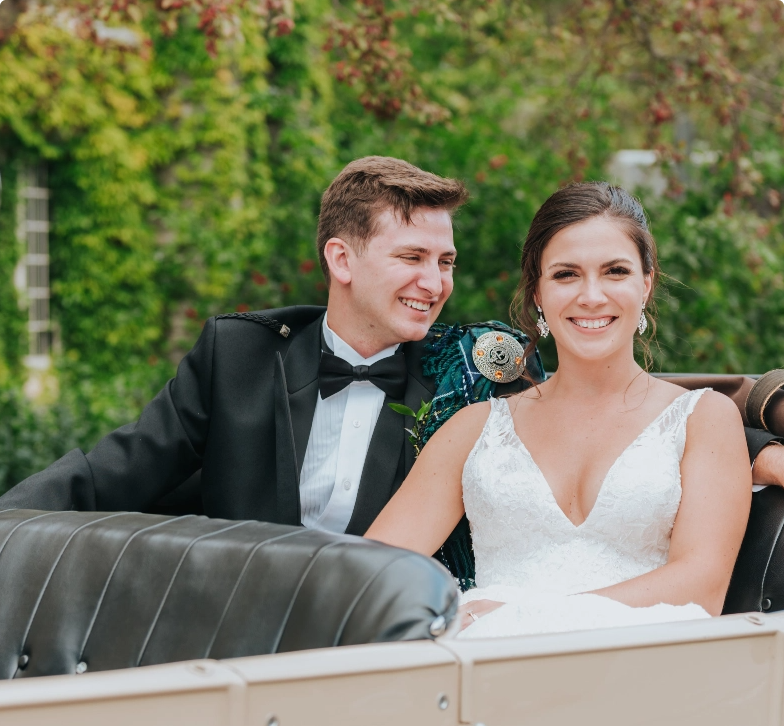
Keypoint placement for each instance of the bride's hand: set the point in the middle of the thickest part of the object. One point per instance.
(476, 609)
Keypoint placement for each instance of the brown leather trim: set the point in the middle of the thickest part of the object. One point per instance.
(759, 397)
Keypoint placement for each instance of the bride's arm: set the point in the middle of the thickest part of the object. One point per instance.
(429, 503)
(711, 519)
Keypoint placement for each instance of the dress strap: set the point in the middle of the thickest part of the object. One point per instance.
(685, 405)
(499, 424)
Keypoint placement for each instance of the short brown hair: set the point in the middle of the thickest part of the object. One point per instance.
(373, 184)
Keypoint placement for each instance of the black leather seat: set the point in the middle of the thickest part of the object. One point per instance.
(758, 578)
(98, 591)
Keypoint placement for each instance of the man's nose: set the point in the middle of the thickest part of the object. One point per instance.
(430, 279)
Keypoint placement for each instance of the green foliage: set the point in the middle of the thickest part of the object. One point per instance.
(722, 307)
(187, 183)
(418, 416)
(12, 333)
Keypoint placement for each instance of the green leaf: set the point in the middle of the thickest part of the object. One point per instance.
(423, 411)
(400, 408)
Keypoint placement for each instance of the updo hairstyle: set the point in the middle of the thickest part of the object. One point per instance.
(573, 204)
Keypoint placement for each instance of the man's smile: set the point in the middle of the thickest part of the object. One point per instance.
(416, 304)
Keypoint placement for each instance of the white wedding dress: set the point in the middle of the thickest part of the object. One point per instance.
(532, 557)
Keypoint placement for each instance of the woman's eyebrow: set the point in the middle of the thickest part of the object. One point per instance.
(575, 266)
(569, 265)
(617, 261)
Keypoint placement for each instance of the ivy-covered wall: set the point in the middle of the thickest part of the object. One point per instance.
(186, 184)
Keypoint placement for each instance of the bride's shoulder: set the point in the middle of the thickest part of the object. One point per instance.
(469, 419)
(714, 408)
(707, 403)
(474, 415)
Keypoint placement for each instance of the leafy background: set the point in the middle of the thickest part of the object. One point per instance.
(186, 167)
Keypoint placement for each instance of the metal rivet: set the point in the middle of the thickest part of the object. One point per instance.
(273, 721)
(81, 668)
(438, 626)
(766, 604)
(23, 661)
(755, 619)
(443, 702)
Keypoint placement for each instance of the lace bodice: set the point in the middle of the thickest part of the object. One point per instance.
(522, 537)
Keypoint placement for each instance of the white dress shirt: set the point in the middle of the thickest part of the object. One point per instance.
(339, 439)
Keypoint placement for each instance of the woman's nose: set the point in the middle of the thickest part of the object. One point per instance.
(592, 292)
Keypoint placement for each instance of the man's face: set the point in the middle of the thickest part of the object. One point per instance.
(402, 279)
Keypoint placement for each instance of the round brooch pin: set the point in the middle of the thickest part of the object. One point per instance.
(499, 357)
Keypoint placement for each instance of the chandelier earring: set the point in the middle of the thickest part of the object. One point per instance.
(541, 324)
(642, 326)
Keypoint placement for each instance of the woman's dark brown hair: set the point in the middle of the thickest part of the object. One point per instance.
(571, 205)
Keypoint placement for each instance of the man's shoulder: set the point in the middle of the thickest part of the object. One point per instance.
(275, 323)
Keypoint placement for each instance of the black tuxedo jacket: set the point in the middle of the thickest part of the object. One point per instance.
(239, 410)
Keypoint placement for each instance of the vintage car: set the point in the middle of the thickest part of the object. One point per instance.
(130, 618)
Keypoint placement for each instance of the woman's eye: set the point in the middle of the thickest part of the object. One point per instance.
(563, 274)
(618, 271)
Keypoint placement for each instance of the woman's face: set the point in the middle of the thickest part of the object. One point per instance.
(592, 288)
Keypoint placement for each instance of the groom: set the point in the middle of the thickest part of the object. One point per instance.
(282, 416)
(284, 413)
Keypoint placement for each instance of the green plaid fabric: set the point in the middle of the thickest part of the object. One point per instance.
(448, 358)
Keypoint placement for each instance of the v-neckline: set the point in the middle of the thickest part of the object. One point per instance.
(547, 486)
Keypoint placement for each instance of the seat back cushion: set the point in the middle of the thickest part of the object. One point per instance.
(98, 591)
(758, 578)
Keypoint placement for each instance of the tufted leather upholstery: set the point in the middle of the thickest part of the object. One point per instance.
(758, 578)
(98, 591)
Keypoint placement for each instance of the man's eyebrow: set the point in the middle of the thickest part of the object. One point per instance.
(426, 251)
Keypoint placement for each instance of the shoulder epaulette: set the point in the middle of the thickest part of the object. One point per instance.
(270, 323)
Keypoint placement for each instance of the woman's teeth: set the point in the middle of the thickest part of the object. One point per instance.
(424, 307)
(597, 323)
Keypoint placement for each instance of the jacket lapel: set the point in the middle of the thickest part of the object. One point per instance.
(287, 474)
(387, 445)
(296, 393)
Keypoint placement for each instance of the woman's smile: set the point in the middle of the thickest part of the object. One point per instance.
(593, 323)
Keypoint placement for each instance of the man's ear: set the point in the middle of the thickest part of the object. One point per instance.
(338, 254)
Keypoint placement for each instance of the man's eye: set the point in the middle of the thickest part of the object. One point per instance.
(448, 263)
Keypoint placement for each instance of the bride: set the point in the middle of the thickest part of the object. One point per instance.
(603, 496)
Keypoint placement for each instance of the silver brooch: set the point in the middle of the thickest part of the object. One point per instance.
(499, 357)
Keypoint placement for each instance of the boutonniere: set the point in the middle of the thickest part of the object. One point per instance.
(418, 416)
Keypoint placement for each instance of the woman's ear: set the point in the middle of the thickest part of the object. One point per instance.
(338, 254)
(648, 285)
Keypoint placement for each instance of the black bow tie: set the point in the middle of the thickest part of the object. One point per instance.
(389, 374)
